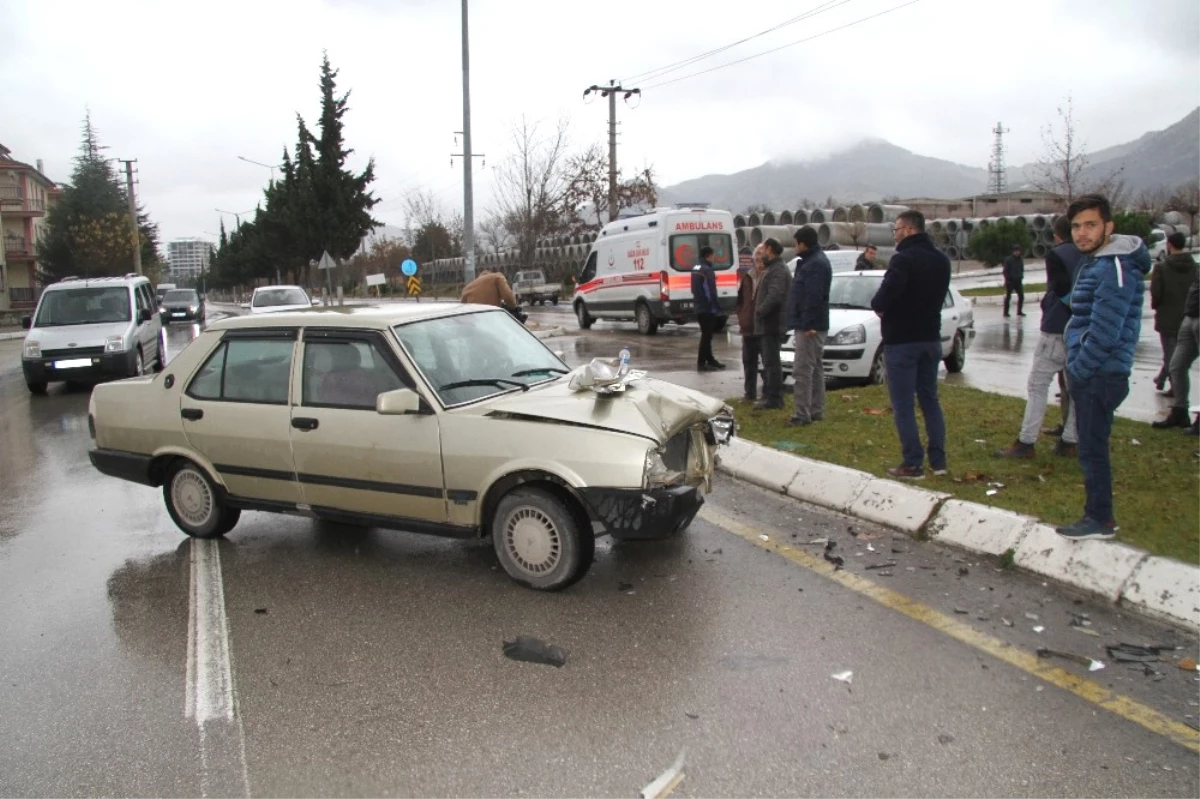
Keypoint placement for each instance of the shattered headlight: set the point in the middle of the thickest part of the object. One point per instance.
(723, 428)
(855, 334)
(655, 472)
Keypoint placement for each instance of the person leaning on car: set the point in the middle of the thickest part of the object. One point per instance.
(748, 282)
(770, 322)
(490, 288)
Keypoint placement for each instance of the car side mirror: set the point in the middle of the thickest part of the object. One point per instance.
(400, 402)
(246, 306)
(144, 315)
(26, 322)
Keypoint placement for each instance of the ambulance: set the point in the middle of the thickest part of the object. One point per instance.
(640, 268)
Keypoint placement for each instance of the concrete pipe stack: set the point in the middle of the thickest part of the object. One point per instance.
(785, 218)
(841, 214)
(768, 218)
(800, 217)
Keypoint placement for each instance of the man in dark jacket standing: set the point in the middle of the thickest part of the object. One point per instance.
(1169, 284)
(708, 308)
(1106, 321)
(909, 304)
(748, 282)
(1050, 357)
(1187, 349)
(808, 319)
(1014, 281)
(770, 320)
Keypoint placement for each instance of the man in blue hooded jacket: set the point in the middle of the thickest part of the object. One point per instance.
(1106, 321)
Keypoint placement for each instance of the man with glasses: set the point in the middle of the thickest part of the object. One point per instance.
(909, 305)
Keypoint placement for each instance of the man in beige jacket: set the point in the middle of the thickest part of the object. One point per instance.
(490, 288)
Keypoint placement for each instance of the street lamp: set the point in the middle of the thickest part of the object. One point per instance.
(271, 167)
(237, 215)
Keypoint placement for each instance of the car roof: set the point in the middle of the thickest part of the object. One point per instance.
(365, 316)
(78, 282)
(265, 288)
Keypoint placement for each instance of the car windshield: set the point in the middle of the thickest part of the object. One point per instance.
(467, 357)
(853, 291)
(84, 306)
(265, 298)
(181, 296)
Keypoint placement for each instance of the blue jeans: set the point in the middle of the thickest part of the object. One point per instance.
(1095, 400)
(912, 370)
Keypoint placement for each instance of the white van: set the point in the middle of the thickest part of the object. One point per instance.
(640, 268)
(88, 329)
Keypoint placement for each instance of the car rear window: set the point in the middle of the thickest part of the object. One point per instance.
(266, 298)
(685, 250)
(181, 296)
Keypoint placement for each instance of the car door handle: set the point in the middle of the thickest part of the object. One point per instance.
(304, 423)
(192, 414)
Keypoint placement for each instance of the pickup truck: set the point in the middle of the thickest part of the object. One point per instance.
(530, 286)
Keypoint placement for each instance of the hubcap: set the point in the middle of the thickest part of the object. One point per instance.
(532, 540)
(141, 364)
(192, 498)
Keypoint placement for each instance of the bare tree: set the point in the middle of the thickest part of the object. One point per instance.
(585, 205)
(858, 233)
(1186, 200)
(493, 235)
(1153, 201)
(1060, 169)
(531, 184)
(421, 208)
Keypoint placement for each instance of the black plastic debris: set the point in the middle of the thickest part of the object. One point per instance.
(884, 756)
(692, 716)
(887, 565)
(836, 560)
(533, 650)
(624, 586)
(1131, 653)
(963, 571)
(260, 611)
(944, 739)
(1092, 665)
(961, 611)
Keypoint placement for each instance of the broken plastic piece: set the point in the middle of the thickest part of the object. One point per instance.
(944, 739)
(843, 676)
(887, 565)
(764, 538)
(666, 782)
(1039, 629)
(533, 650)
(1131, 653)
(1091, 663)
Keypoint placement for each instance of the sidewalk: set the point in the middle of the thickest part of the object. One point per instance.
(1162, 587)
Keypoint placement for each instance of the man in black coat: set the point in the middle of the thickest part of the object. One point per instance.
(909, 305)
(770, 322)
(808, 319)
(1014, 281)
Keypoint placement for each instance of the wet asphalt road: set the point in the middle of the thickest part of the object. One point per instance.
(368, 662)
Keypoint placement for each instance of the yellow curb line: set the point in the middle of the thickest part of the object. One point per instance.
(1027, 662)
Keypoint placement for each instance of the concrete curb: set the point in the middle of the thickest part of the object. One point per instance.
(1120, 573)
(11, 336)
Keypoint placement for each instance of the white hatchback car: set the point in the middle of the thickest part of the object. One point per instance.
(854, 349)
(272, 299)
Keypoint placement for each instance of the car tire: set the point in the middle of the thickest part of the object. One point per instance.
(36, 388)
(585, 318)
(647, 325)
(957, 358)
(159, 362)
(554, 300)
(540, 543)
(139, 365)
(195, 504)
(878, 374)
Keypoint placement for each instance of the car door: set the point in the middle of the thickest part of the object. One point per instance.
(350, 458)
(950, 315)
(236, 414)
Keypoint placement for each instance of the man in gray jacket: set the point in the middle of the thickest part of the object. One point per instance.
(770, 321)
(808, 319)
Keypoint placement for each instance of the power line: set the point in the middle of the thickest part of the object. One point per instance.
(661, 71)
(783, 46)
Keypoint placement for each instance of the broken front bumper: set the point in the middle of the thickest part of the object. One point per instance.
(637, 513)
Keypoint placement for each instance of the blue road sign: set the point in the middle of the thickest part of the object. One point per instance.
(409, 267)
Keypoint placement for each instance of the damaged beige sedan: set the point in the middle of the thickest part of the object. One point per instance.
(451, 420)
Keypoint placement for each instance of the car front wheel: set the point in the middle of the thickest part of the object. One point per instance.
(957, 358)
(539, 542)
(878, 373)
(194, 503)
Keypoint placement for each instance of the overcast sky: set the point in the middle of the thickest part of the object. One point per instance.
(186, 88)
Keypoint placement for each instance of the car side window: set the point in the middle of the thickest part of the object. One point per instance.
(949, 301)
(347, 373)
(589, 269)
(246, 370)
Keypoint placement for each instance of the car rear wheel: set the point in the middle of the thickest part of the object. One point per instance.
(957, 358)
(878, 374)
(646, 323)
(585, 318)
(36, 388)
(194, 503)
(554, 300)
(539, 542)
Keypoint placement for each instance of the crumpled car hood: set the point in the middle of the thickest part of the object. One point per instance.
(650, 408)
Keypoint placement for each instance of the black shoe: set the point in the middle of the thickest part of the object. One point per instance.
(1020, 313)
(716, 364)
(706, 367)
(796, 421)
(749, 398)
(764, 405)
(1193, 429)
(1177, 417)
(1088, 528)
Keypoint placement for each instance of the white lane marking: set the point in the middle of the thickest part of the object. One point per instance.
(209, 673)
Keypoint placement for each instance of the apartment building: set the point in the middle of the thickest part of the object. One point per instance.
(188, 258)
(26, 195)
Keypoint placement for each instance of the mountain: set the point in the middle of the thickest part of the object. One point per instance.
(868, 171)
(874, 169)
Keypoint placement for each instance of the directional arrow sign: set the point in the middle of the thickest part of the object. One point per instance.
(326, 262)
(414, 286)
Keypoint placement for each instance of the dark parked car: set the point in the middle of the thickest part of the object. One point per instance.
(182, 305)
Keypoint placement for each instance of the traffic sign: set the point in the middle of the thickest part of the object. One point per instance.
(409, 267)
(326, 262)
(414, 286)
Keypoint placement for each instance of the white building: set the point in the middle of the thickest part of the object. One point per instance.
(187, 257)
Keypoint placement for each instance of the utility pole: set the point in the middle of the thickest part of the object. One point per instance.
(610, 91)
(468, 196)
(133, 215)
(997, 180)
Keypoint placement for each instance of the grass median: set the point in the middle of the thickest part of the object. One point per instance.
(1156, 485)
(998, 291)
